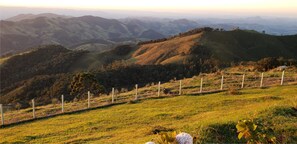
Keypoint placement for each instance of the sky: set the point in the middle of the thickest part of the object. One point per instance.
(254, 7)
(171, 5)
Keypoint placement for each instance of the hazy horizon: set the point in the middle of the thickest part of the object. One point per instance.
(154, 8)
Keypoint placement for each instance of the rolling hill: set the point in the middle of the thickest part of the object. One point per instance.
(47, 72)
(31, 74)
(205, 44)
(225, 46)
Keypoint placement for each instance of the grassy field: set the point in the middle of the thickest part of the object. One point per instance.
(212, 118)
(190, 86)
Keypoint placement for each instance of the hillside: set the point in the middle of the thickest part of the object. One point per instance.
(204, 45)
(225, 46)
(45, 74)
(211, 118)
(242, 45)
(170, 51)
(32, 74)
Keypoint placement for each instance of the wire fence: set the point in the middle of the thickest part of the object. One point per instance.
(202, 84)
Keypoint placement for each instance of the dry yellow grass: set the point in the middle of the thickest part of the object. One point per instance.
(158, 53)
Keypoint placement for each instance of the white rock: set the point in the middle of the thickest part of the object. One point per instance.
(149, 143)
(184, 138)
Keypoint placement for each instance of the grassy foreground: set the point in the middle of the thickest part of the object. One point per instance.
(212, 118)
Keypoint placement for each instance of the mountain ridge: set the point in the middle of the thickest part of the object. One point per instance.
(225, 46)
(18, 36)
(21, 17)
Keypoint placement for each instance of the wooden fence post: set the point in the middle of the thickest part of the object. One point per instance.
(2, 114)
(62, 103)
(201, 84)
(112, 95)
(159, 88)
(136, 91)
(33, 108)
(222, 82)
(89, 98)
(180, 87)
(282, 80)
(242, 83)
(261, 84)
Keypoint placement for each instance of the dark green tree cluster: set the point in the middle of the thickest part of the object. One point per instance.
(128, 76)
(41, 74)
(44, 60)
(268, 63)
(42, 88)
(82, 83)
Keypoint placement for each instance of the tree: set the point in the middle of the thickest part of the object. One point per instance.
(267, 63)
(83, 82)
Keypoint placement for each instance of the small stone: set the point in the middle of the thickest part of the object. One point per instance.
(184, 138)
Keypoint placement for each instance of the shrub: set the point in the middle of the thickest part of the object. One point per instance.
(83, 82)
(174, 138)
(55, 101)
(167, 138)
(123, 90)
(160, 129)
(233, 91)
(167, 91)
(254, 133)
(75, 99)
(18, 106)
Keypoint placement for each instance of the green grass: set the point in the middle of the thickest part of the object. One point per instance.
(191, 86)
(210, 117)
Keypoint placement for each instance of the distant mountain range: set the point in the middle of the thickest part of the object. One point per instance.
(21, 35)
(21, 32)
(33, 16)
(88, 32)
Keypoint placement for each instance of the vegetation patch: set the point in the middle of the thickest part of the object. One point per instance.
(159, 129)
(285, 112)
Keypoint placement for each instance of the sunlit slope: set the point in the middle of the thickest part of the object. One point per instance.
(225, 46)
(169, 51)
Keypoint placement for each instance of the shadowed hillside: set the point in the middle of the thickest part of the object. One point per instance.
(32, 74)
(241, 45)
